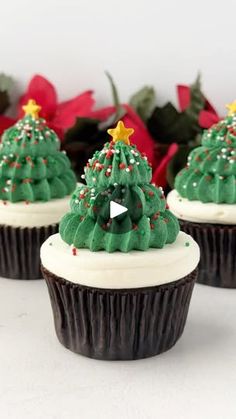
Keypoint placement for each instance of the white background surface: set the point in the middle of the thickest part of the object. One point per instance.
(39, 378)
(153, 42)
(140, 42)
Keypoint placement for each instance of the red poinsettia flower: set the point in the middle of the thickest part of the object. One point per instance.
(159, 173)
(207, 117)
(59, 116)
(141, 136)
(5, 122)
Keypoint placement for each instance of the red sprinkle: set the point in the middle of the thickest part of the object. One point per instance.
(109, 154)
(74, 251)
(122, 166)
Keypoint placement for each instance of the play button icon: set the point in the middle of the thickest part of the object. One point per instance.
(116, 209)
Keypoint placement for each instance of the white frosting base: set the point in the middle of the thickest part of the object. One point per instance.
(121, 270)
(197, 211)
(34, 214)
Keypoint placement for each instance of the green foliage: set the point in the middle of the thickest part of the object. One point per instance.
(5, 85)
(143, 102)
(168, 125)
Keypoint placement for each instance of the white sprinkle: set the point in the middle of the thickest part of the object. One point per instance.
(231, 161)
(82, 176)
(115, 184)
(132, 161)
(76, 201)
(127, 169)
(8, 182)
(109, 170)
(137, 163)
(93, 190)
(82, 192)
(194, 184)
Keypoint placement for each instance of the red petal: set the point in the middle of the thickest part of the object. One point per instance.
(183, 93)
(141, 136)
(67, 112)
(41, 90)
(5, 123)
(102, 114)
(207, 119)
(209, 107)
(159, 175)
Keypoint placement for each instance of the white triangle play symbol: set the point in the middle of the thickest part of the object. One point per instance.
(116, 209)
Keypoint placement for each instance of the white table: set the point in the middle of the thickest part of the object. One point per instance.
(40, 379)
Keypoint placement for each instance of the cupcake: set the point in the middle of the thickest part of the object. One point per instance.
(204, 200)
(35, 183)
(120, 274)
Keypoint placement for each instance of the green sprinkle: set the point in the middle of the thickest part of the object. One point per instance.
(187, 244)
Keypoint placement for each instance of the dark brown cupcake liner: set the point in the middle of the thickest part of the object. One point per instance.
(218, 246)
(119, 324)
(20, 250)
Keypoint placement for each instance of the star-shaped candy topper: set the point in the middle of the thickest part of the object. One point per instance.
(32, 109)
(121, 133)
(231, 108)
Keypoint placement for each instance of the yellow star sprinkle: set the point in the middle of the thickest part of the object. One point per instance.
(120, 133)
(231, 108)
(32, 109)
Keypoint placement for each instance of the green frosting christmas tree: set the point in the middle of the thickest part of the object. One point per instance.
(210, 175)
(32, 167)
(121, 174)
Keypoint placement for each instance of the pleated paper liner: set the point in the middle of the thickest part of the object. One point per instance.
(218, 247)
(125, 324)
(20, 250)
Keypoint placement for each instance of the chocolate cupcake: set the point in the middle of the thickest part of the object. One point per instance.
(35, 184)
(120, 274)
(204, 200)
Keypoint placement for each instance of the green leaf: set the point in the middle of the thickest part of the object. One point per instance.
(197, 101)
(143, 102)
(116, 102)
(168, 125)
(5, 85)
(6, 82)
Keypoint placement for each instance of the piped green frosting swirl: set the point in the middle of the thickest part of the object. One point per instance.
(32, 167)
(119, 173)
(210, 174)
